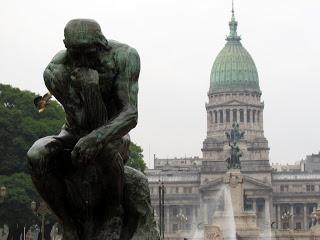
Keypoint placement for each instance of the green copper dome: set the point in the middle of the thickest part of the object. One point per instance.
(234, 68)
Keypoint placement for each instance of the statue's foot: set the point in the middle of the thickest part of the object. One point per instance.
(111, 230)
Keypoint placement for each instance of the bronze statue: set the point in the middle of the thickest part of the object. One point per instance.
(81, 172)
(234, 136)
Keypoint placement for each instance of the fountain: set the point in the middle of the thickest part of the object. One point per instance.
(232, 219)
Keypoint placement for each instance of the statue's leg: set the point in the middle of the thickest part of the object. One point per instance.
(45, 159)
(113, 157)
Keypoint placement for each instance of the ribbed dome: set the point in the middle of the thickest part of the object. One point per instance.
(234, 68)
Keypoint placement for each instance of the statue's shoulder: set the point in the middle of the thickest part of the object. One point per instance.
(123, 53)
(59, 58)
(56, 71)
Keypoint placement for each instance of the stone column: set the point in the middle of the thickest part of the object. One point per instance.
(238, 115)
(245, 116)
(167, 226)
(279, 216)
(254, 205)
(201, 209)
(305, 220)
(267, 211)
(205, 209)
(194, 220)
(292, 216)
(261, 119)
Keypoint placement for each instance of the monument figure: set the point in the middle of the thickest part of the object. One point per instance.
(81, 172)
(234, 136)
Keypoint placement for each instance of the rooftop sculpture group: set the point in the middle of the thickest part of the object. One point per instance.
(81, 172)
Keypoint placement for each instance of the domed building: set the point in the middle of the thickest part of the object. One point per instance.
(192, 186)
(235, 97)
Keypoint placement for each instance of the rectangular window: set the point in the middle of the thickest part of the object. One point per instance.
(188, 211)
(177, 190)
(215, 117)
(174, 211)
(253, 115)
(281, 188)
(248, 115)
(235, 115)
(185, 190)
(310, 188)
(298, 210)
(174, 227)
(241, 115)
(228, 115)
(221, 116)
(298, 225)
(310, 209)
(284, 188)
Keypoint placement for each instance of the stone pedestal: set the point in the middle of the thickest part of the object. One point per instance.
(245, 223)
(234, 182)
(212, 232)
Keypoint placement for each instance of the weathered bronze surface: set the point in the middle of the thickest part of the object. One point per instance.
(81, 172)
(234, 136)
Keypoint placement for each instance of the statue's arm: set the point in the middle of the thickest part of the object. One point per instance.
(54, 76)
(125, 95)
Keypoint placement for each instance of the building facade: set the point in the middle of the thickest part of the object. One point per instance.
(193, 184)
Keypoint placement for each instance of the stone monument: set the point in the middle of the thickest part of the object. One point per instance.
(237, 220)
(81, 172)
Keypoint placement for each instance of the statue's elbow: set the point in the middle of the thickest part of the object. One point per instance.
(134, 120)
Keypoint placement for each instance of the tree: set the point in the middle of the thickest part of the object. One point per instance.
(21, 125)
(136, 157)
(16, 208)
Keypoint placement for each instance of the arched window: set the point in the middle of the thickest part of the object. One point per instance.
(248, 115)
(234, 117)
(221, 116)
(228, 115)
(241, 115)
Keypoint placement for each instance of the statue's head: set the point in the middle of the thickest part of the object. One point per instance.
(84, 34)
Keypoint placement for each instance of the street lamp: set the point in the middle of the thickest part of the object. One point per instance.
(161, 208)
(41, 210)
(3, 192)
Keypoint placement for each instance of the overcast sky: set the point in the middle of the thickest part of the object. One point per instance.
(178, 41)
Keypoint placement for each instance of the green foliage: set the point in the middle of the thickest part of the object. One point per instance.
(21, 125)
(136, 157)
(16, 207)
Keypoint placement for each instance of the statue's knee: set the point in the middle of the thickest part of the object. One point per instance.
(41, 153)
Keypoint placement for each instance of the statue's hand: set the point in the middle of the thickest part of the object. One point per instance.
(86, 150)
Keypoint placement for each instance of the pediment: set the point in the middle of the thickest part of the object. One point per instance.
(252, 183)
(211, 185)
(249, 183)
(235, 103)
